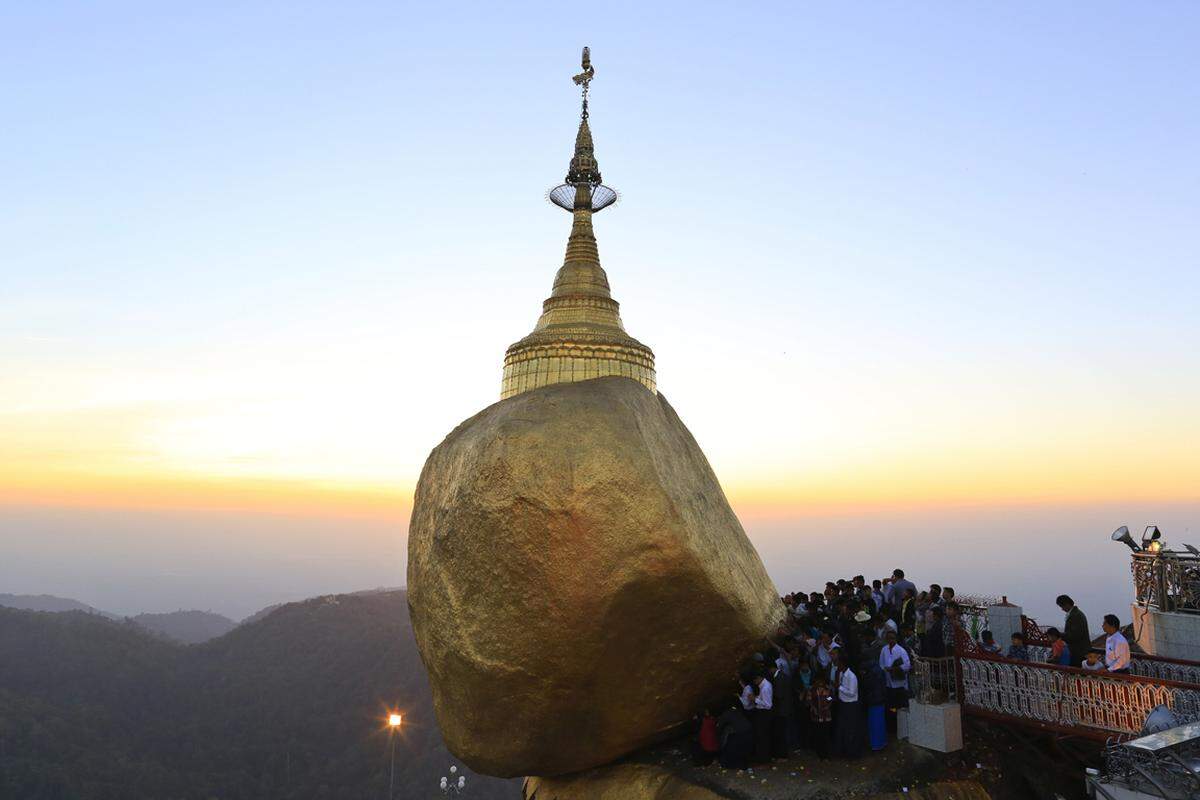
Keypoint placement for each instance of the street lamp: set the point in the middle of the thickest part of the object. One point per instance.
(449, 785)
(394, 721)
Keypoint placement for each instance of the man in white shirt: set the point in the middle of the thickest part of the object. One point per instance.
(747, 697)
(895, 663)
(763, 701)
(824, 654)
(1116, 646)
(847, 686)
(761, 717)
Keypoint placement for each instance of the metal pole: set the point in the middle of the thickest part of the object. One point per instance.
(392, 779)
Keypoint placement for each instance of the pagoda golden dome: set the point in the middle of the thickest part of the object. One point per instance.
(579, 335)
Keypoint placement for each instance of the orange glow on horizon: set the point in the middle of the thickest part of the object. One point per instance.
(277, 496)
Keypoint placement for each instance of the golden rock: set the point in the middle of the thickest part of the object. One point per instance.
(618, 782)
(639, 781)
(578, 582)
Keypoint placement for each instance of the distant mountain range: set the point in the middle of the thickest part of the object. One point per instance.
(185, 627)
(287, 706)
(48, 602)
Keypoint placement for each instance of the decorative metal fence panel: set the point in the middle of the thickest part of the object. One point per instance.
(1167, 580)
(1066, 697)
(934, 680)
(1165, 670)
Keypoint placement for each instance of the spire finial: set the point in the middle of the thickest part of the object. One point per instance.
(585, 78)
(584, 187)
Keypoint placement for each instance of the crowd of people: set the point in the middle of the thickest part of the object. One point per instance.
(836, 675)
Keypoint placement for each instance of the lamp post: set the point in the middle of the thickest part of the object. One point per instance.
(450, 786)
(394, 721)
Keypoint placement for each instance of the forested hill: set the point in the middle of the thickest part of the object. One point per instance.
(48, 602)
(188, 627)
(289, 706)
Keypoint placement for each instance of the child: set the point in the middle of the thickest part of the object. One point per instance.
(1095, 660)
(1060, 654)
(706, 745)
(820, 704)
(1018, 651)
(988, 645)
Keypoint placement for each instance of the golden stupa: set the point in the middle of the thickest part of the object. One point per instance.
(579, 335)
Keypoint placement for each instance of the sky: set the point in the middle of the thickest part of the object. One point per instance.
(922, 280)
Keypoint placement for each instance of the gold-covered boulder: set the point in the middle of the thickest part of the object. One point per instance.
(577, 580)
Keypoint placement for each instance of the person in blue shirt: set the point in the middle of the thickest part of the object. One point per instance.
(1018, 651)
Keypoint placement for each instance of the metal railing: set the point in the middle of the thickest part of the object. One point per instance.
(1066, 697)
(1164, 669)
(1158, 765)
(1167, 580)
(934, 680)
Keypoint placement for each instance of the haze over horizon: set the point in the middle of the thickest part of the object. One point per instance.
(922, 282)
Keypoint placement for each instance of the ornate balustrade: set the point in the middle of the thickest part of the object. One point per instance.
(1100, 704)
(1167, 580)
(1166, 669)
(934, 680)
(1071, 698)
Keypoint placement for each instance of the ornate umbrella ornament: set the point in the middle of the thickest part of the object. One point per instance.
(584, 188)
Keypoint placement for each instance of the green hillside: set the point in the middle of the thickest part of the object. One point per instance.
(289, 706)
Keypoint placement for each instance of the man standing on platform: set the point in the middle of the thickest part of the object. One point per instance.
(1075, 630)
(1116, 646)
(899, 584)
(895, 663)
(761, 719)
(782, 699)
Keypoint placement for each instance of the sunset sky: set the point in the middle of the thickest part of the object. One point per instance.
(921, 276)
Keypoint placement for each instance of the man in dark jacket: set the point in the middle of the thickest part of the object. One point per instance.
(781, 712)
(736, 737)
(1075, 631)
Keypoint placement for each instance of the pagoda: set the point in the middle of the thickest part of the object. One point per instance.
(579, 335)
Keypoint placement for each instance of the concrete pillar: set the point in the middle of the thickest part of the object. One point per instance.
(936, 727)
(1167, 634)
(1004, 619)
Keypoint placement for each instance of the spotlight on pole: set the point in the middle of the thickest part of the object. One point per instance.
(394, 720)
(1121, 534)
(1150, 538)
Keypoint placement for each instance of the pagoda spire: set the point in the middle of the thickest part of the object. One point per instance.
(579, 334)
